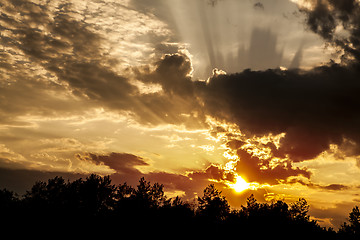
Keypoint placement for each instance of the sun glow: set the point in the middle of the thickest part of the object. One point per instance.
(240, 184)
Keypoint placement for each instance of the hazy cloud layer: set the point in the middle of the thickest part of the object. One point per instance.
(59, 53)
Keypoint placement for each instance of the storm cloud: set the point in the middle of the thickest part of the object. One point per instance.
(314, 108)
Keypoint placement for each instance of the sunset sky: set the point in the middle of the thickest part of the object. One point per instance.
(257, 97)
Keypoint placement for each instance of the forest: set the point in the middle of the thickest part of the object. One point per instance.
(94, 207)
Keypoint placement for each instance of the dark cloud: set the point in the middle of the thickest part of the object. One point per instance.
(259, 170)
(122, 163)
(83, 67)
(259, 5)
(325, 18)
(177, 103)
(213, 172)
(70, 50)
(335, 187)
(321, 21)
(173, 73)
(63, 46)
(314, 108)
(235, 144)
(71, 53)
(28, 48)
(330, 187)
(125, 166)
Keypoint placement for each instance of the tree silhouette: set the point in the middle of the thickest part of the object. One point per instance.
(97, 194)
(96, 206)
(351, 230)
(299, 210)
(252, 206)
(9, 204)
(354, 219)
(149, 196)
(213, 205)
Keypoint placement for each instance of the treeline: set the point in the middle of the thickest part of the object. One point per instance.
(95, 206)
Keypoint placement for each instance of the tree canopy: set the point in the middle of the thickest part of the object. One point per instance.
(95, 205)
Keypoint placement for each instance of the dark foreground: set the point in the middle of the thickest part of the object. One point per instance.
(96, 208)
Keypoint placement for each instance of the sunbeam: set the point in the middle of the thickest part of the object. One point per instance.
(235, 35)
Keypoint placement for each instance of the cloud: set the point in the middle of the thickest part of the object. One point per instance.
(56, 52)
(126, 165)
(173, 73)
(121, 163)
(11, 159)
(215, 173)
(221, 36)
(314, 108)
(335, 215)
(255, 169)
(330, 187)
(335, 187)
(259, 5)
(50, 52)
(72, 52)
(82, 65)
(177, 102)
(337, 22)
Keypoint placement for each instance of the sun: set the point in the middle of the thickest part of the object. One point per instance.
(240, 184)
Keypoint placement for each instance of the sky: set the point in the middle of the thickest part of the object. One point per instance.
(256, 97)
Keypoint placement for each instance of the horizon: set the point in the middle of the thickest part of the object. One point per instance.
(48, 196)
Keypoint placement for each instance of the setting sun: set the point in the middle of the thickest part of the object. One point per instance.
(240, 184)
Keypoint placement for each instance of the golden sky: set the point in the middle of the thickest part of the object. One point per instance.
(255, 96)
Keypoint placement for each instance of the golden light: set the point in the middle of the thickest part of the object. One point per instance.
(240, 184)
(309, 5)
